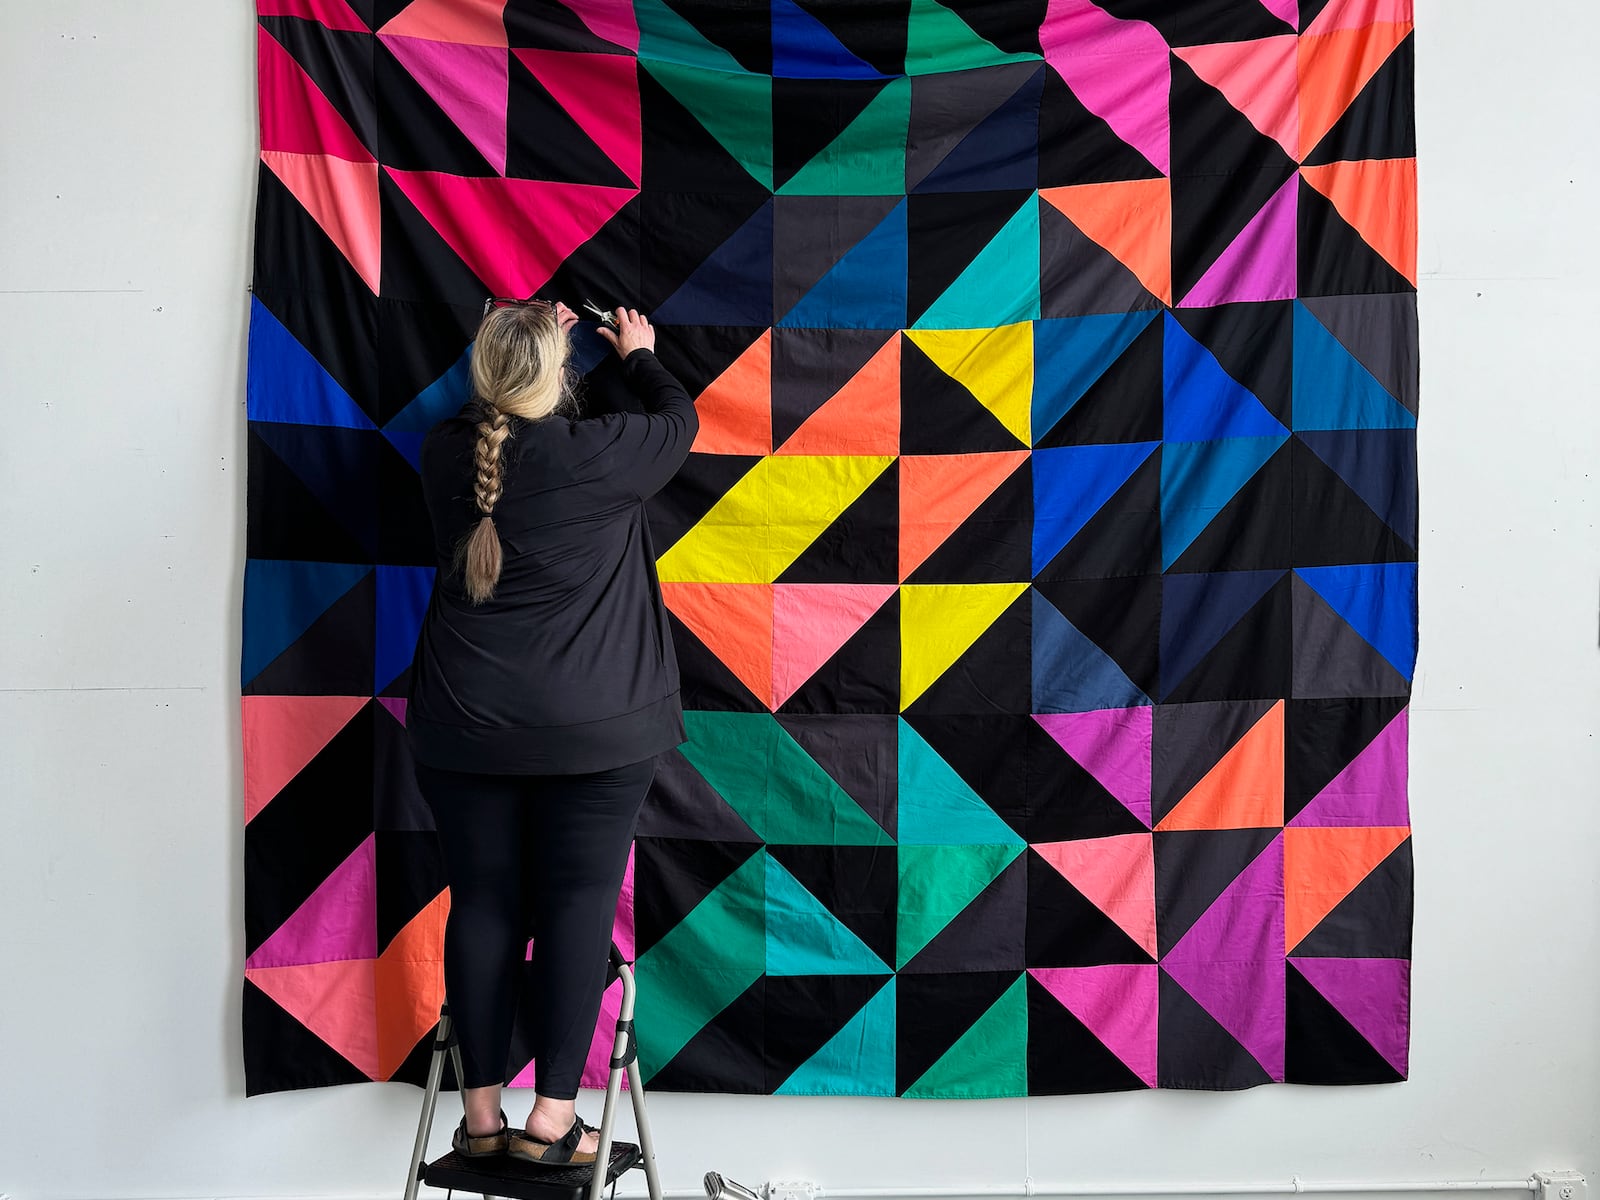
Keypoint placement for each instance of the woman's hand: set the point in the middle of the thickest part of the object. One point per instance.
(633, 332)
(566, 317)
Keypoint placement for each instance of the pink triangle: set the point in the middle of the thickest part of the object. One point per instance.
(612, 20)
(1261, 79)
(333, 14)
(396, 706)
(342, 198)
(463, 22)
(601, 91)
(1113, 745)
(1119, 69)
(1117, 1003)
(338, 920)
(470, 83)
(511, 233)
(337, 1001)
(1260, 264)
(1373, 994)
(1231, 959)
(284, 733)
(810, 621)
(1358, 14)
(622, 924)
(1117, 875)
(1285, 10)
(295, 116)
(1371, 790)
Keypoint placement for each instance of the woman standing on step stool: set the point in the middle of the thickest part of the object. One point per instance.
(543, 687)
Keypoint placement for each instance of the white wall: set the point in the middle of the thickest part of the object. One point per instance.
(127, 143)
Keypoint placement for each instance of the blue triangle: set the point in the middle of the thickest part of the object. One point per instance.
(1378, 601)
(804, 938)
(285, 383)
(856, 1061)
(1201, 401)
(403, 595)
(1197, 481)
(1001, 153)
(866, 289)
(1070, 354)
(1070, 484)
(440, 399)
(1332, 390)
(936, 806)
(731, 287)
(281, 601)
(1380, 465)
(1198, 610)
(409, 445)
(804, 48)
(1070, 672)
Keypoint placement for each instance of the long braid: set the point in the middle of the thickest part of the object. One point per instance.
(483, 554)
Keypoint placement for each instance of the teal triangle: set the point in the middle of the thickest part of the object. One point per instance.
(1334, 391)
(287, 385)
(804, 938)
(1000, 286)
(856, 1061)
(1069, 355)
(440, 399)
(937, 807)
(1072, 674)
(1200, 401)
(1197, 481)
(281, 601)
(866, 289)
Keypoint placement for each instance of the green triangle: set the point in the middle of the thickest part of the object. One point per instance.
(856, 1061)
(936, 806)
(804, 938)
(1000, 286)
(868, 156)
(938, 40)
(702, 965)
(770, 781)
(937, 883)
(990, 1059)
(665, 37)
(734, 107)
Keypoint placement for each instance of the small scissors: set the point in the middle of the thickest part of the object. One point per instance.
(600, 313)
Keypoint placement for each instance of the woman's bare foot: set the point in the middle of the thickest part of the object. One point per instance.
(550, 1120)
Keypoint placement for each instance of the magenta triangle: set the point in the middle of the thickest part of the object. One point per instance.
(337, 921)
(1284, 10)
(470, 83)
(1117, 1003)
(1113, 745)
(1260, 263)
(1373, 994)
(396, 706)
(1370, 791)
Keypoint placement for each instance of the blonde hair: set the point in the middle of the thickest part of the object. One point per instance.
(519, 369)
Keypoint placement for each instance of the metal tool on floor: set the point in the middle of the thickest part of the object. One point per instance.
(506, 1176)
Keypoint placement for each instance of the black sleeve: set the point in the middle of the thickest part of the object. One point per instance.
(646, 449)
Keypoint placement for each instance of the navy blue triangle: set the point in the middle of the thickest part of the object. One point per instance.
(1198, 610)
(1001, 152)
(731, 287)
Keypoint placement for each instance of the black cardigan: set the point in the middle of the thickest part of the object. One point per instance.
(570, 667)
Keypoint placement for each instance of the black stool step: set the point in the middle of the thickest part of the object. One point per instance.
(505, 1176)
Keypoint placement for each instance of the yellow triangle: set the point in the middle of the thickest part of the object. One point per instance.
(764, 522)
(995, 365)
(939, 623)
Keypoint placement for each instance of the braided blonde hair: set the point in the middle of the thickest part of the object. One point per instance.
(519, 369)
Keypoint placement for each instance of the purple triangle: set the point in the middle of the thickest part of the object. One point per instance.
(1117, 1003)
(337, 921)
(1260, 264)
(1370, 791)
(1231, 960)
(396, 706)
(1373, 994)
(471, 84)
(1113, 745)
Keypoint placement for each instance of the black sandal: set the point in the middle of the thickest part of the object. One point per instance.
(484, 1146)
(563, 1152)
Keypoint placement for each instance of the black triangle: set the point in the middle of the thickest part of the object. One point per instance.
(1122, 539)
(540, 25)
(743, 30)
(1066, 929)
(1068, 803)
(810, 365)
(857, 884)
(862, 677)
(397, 802)
(682, 231)
(862, 543)
(804, 1011)
(1121, 616)
(1381, 121)
(1010, 25)
(993, 544)
(1331, 659)
(1189, 740)
(681, 804)
(673, 875)
(1323, 737)
(378, 13)
(414, 1070)
(1194, 1051)
(994, 674)
(933, 1011)
(1123, 405)
(420, 341)
(1310, 10)
(996, 756)
(1079, 277)
(810, 235)
(410, 877)
(686, 168)
(339, 62)
(416, 134)
(559, 149)
(1374, 920)
(281, 1054)
(702, 481)
(939, 415)
(1251, 661)
(1332, 524)
(1321, 1046)
(1253, 343)
(1193, 868)
(608, 269)
(808, 114)
(405, 537)
(419, 266)
(1078, 146)
(859, 751)
(342, 465)
(698, 354)
(1064, 1057)
(333, 657)
(706, 681)
(1334, 259)
(874, 33)
(285, 519)
(1250, 532)
(725, 1054)
(987, 935)
(945, 232)
(1202, 22)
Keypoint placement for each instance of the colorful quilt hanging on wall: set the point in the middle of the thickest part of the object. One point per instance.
(1043, 578)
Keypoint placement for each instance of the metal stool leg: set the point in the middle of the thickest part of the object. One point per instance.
(442, 1042)
(624, 1057)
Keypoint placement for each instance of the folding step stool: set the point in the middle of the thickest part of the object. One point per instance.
(505, 1176)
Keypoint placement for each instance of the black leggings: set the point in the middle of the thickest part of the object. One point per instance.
(531, 855)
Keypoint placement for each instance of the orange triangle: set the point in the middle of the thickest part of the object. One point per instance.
(464, 22)
(1117, 874)
(862, 417)
(734, 620)
(1132, 220)
(342, 197)
(284, 733)
(1260, 79)
(1244, 790)
(1321, 866)
(940, 491)
(811, 621)
(1379, 199)
(410, 984)
(335, 1000)
(1334, 67)
(735, 410)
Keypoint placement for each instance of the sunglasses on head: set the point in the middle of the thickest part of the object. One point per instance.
(494, 302)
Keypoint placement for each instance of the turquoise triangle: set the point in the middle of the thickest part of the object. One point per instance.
(1198, 479)
(804, 938)
(440, 399)
(856, 1061)
(1000, 286)
(937, 808)
(1334, 391)
(1070, 354)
